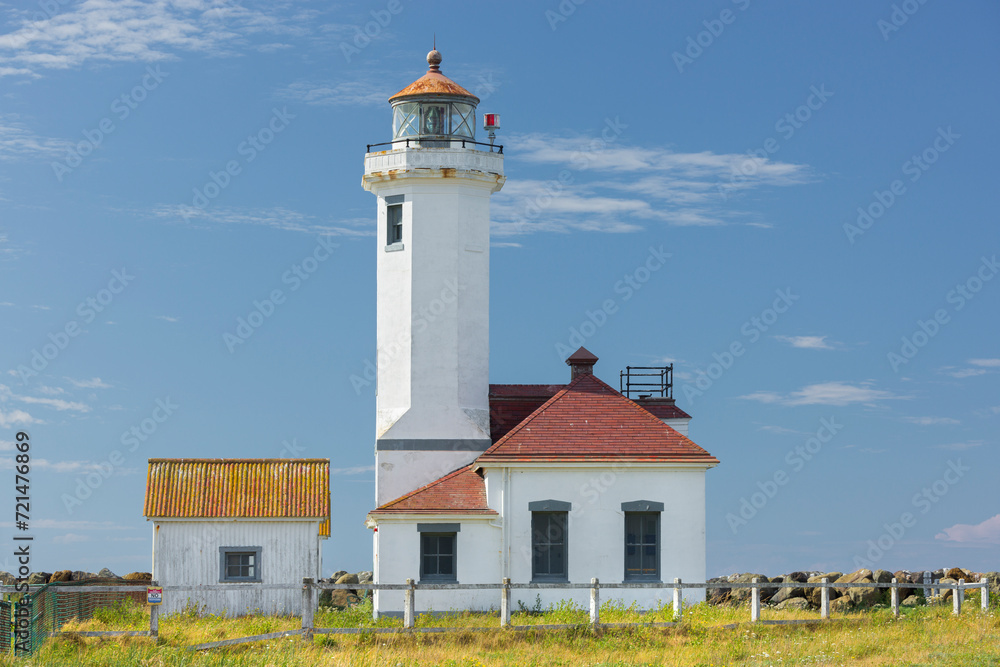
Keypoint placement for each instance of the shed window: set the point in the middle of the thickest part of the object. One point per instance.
(239, 563)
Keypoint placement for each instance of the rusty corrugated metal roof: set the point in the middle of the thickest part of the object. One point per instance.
(239, 488)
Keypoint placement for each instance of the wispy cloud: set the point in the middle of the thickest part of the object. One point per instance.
(344, 93)
(276, 218)
(70, 538)
(103, 31)
(931, 421)
(614, 187)
(167, 318)
(92, 383)
(56, 403)
(986, 532)
(18, 141)
(824, 393)
(14, 417)
(976, 367)
(54, 466)
(961, 446)
(807, 342)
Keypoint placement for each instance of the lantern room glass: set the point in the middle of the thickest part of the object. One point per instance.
(433, 119)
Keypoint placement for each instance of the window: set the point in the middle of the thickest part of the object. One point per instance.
(394, 219)
(642, 540)
(549, 540)
(239, 563)
(438, 555)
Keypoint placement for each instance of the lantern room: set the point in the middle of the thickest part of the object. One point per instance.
(434, 107)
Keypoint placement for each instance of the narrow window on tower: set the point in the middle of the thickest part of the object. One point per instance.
(394, 222)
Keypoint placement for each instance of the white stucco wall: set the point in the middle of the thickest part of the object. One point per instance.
(478, 561)
(187, 553)
(432, 306)
(680, 425)
(597, 524)
(596, 536)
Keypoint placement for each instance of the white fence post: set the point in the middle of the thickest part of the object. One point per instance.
(895, 598)
(678, 611)
(956, 597)
(408, 612)
(927, 580)
(985, 598)
(595, 603)
(824, 599)
(505, 603)
(755, 601)
(307, 608)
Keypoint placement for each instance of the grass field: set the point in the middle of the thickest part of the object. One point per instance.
(922, 636)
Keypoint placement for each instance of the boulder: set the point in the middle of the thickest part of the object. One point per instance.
(860, 597)
(946, 592)
(61, 575)
(718, 595)
(138, 576)
(815, 595)
(7, 579)
(841, 605)
(800, 577)
(341, 598)
(365, 577)
(785, 594)
(793, 603)
(882, 576)
(80, 575)
(911, 601)
(39, 577)
(903, 577)
(853, 577)
(347, 579)
(957, 573)
(740, 595)
(337, 575)
(107, 574)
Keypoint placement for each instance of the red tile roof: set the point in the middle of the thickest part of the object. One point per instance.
(510, 404)
(590, 421)
(239, 488)
(462, 492)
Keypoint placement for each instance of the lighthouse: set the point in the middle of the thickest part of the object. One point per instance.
(433, 182)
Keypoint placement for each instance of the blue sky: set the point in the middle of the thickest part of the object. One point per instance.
(817, 173)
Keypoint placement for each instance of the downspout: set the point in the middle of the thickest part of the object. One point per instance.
(505, 509)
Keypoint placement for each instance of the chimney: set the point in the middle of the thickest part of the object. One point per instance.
(581, 362)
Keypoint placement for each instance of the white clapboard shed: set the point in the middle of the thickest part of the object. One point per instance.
(237, 521)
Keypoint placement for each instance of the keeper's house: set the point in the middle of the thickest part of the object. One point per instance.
(237, 521)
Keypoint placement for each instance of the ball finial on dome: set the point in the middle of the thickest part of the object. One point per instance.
(434, 59)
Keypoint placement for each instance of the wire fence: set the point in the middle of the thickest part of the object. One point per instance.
(27, 619)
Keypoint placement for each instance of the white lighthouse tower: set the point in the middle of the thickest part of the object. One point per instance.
(433, 184)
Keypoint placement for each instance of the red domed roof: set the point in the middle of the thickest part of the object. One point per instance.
(434, 83)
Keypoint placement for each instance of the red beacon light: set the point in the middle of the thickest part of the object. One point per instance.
(491, 123)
